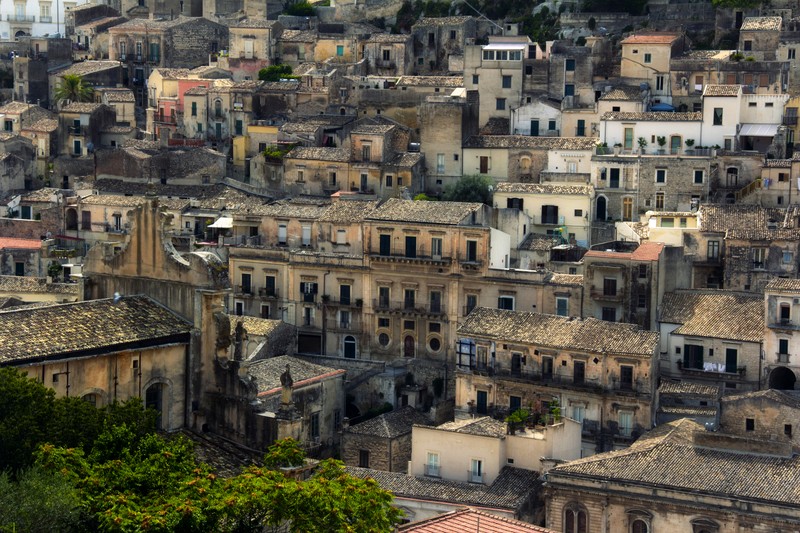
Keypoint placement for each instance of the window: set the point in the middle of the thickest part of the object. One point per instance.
(432, 465)
(476, 471)
(569, 89)
(748, 45)
(340, 50)
(718, 116)
(791, 53)
(569, 65)
(281, 234)
(712, 251)
(580, 128)
(385, 245)
(314, 427)
(648, 58)
(759, 257)
(628, 144)
(613, 178)
(659, 83)
(576, 519)
(309, 290)
(506, 81)
(500, 104)
(86, 220)
(247, 285)
(627, 208)
(363, 458)
(668, 222)
(785, 313)
(639, 526)
(472, 303)
(436, 248)
(609, 314)
(625, 423)
(452, 34)
(409, 300)
(366, 152)
(549, 214)
(562, 306)
(750, 424)
(787, 430)
(659, 200)
(389, 180)
(661, 175)
(472, 251)
(411, 246)
(783, 346)
(484, 164)
(475, 79)
(436, 301)
(238, 308)
(440, 163)
(505, 302)
(578, 372)
(699, 175)
(610, 287)
(693, 356)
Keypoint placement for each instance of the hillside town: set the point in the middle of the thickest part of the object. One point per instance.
(526, 268)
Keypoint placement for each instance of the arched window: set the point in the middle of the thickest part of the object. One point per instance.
(639, 526)
(154, 399)
(218, 108)
(576, 520)
(525, 163)
(350, 347)
(72, 219)
(92, 399)
(600, 209)
(408, 346)
(639, 521)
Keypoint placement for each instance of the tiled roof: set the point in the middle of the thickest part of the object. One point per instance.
(651, 38)
(441, 21)
(652, 116)
(387, 38)
(588, 334)
(718, 314)
(260, 327)
(319, 153)
(484, 426)
(624, 93)
(778, 163)
(81, 107)
(528, 141)
(172, 73)
(254, 23)
(405, 159)
(666, 457)
(397, 210)
(392, 424)
(24, 284)
(15, 107)
(783, 285)
(688, 388)
(468, 519)
(646, 251)
(557, 278)
(510, 489)
(761, 23)
(96, 326)
(544, 188)
(763, 234)
(305, 208)
(267, 373)
(295, 36)
(12, 243)
(773, 396)
(88, 67)
(118, 95)
(372, 128)
(45, 194)
(722, 90)
(348, 211)
(539, 242)
(101, 23)
(496, 126)
(686, 411)
(138, 24)
(719, 218)
(431, 81)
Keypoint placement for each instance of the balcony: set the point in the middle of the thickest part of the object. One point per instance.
(344, 302)
(790, 120)
(471, 264)
(337, 324)
(607, 296)
(419, 259)
(549, 378)
(21, 18)
(268, 293)
(244, 290)
(166, 119)
(77, 131)
(46, 20)
(408, 306)
(154, 59)
(385, 63)
(783, 358)
(715, 371)
(433, 471)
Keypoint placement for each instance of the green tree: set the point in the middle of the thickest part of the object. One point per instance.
(38, 502)
(300, 9)
(470, 189)
(74, 89)
(741, 4)
(275, 73)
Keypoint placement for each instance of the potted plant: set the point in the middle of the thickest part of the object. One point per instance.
(689, 145)
(661, 142)
(642, 142)
(617, 148)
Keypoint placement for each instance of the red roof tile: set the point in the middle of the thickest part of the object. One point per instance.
(647, 251)
(472, 520)
(19, 244)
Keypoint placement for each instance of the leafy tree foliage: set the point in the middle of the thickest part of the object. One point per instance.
(74, 89)
(741, 4)
(470, 189)
(275, 73)
(411, 12)
(38, 502)
(300, 9)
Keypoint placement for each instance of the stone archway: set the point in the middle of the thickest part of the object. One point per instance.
(782, 378)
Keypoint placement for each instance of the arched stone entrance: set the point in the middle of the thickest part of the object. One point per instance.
(782, 378)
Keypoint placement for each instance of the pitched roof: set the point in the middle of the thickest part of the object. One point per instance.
(722, 90)
(81, 107)
(624, 93)
(783, 285)
(720, 218)
(84, 68)
(319, 153)
(390, 425)
(469, 519)
(718, 314)
(557, 278)
(588, 334)
(772, 396)
(666, 457)
(510, 489)
(94, 327)
(688, 388)
(431, 81)
(254, 23)
(24, 284)
(442, 21)
(761, 23)
(646, 251)
(544, 188)
(261, 327)
(268, 373)
(12, 243)
(653, 116)
(348, 211)
(651, 38)
(485, 426)
(531, 142)
(397, 210)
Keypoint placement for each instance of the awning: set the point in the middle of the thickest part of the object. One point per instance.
(758, 130)
(222, 223)
(505, 46)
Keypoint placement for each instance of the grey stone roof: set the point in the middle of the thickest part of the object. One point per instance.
(496, 126)
(544, 188)
(369, 129)
(557, 278)
(536, 242)
(84, 68)
(588, 334)
(442, 21)
(319, 153)
(81, 107)
(431, 81)
(717, 314)
(27, 284)
(388, 38)
(511, 489)
(666, 457)
(138, 24)
(397, 210)
(267, 373)
(722, 90)
(652, 116)
(348, 211)
(254, 23)
(720, 218)
(261, 327)
(530, 142)
(390, 425)
(624, 93)
(762, 23)
(484, 426)
(688, 388)
(95, 326)
(783, 285)
(772, 396)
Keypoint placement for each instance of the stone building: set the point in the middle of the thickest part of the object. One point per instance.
(678, 477)
(21, 257)
(780, 341)
(383, 442)
(769, 415)
(601, 374)
(388, 55)
(712, 338)
(252, 46)
(759, 37)
(80, 125)
(439, 43)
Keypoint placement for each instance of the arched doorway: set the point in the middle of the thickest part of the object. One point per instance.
(154, 399)
(19, 34)
(408, 346)
(782, 378)
(350, 347)
(600, 210)
(72, 219)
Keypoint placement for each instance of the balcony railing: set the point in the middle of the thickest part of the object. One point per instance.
(270, 293)
(433, 471)
(409, 306)
(77, 130)
(245, 290)
(45, 20)
(783, 358)
(419, 258)
(712, 370)
(790, 120)
(20, 18)
(600, 294)
(337, 324)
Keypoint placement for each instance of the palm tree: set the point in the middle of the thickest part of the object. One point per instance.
(74, 89)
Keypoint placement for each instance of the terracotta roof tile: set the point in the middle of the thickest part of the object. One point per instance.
(530, 142)
(544, 188)
(27, 284)
(397, 210)
(267, 373)
(485, 426)
(718, 314)
(688, 388)
(11, 243)
(783, 285)
(466, 520)
(651, 38)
